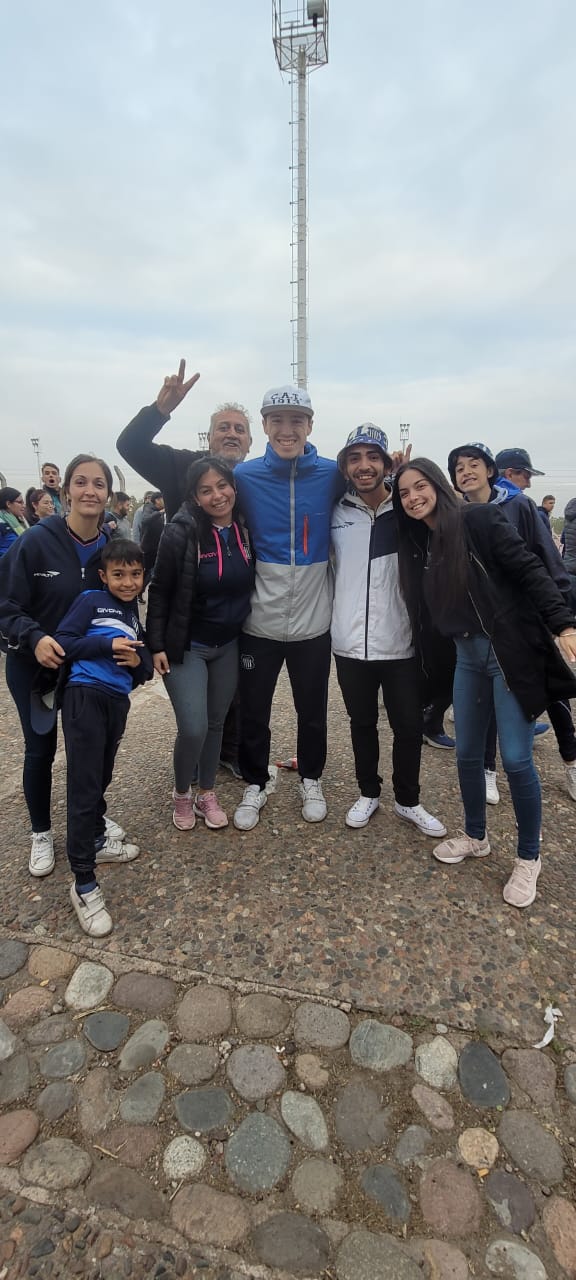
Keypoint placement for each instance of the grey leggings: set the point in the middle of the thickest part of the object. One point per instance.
(201, 688)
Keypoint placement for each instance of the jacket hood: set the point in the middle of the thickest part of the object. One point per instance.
(504, 491)
(570, 510)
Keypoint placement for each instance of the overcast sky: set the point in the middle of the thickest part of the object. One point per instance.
(145, 216)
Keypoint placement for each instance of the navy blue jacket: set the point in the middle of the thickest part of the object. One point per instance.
(86, 634)
(40, 577)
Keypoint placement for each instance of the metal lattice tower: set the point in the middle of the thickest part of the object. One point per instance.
(300, 35)
(404, 435)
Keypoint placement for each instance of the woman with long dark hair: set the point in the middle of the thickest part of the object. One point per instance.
(39, 504)
(13, 521)
(199, 598)
(467, 568)
(40, 577)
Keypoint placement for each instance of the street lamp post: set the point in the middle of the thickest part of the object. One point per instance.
(35, 442)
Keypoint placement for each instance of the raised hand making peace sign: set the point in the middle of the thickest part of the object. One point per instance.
(174, 389)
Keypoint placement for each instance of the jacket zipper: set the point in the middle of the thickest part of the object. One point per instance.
(367, 613)
(292, 542)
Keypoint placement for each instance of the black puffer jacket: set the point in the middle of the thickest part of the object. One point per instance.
(520, 608)
(173, 589)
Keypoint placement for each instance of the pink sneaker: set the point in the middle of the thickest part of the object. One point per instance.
(207, 807)
(183, 813)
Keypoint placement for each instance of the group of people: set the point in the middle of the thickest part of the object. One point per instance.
(425, 591)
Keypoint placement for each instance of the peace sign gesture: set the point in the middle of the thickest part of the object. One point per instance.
(174, 389)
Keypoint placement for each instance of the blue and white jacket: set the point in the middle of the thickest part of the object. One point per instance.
(86, 633)
(287, 505)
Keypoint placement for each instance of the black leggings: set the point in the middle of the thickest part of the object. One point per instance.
(39, 748)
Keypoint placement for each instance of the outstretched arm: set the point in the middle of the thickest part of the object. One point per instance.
(136, 443)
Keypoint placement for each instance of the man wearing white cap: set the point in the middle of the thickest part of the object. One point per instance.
(287, 498)
(371, 633)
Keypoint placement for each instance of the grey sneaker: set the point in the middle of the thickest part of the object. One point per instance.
(314, 805)
(492, 792)
(247, 814)
(90, 908)
(461, 847)
(571, 779)
(41, 861)
(117, 851)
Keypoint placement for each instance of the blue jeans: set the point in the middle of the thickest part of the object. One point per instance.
(201, 688)
(478, 687)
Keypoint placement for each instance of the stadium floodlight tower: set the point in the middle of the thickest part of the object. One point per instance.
(300, 35)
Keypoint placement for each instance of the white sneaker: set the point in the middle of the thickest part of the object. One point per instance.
(361, 812)
(247, 814)
(571, 779)
(450, 714)
(492, 792)
(314, 805)
(415, 813)
(117, 851)
(91, 911)
(114, 830)
(41, 861)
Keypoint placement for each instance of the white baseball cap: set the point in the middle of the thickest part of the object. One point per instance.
(287, 398)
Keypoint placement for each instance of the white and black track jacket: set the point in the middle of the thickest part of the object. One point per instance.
(369, 618)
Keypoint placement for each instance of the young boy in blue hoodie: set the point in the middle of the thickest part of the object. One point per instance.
(104, 645)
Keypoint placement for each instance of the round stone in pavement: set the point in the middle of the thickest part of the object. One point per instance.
(204, 1013)
(303, 1117)
(437, 1063)
(14, 1079)
(437, 1109)
(55, 1100)
(570, 1082)
(106, 1030)
(361, 1123)
(26, 1005)
(132, 1144)
(292, 1241)
(193, 1063)
(533, 1072)
(143, 1099)
(506, 1258)
(478, 1148)
(321, 1027)
(262, 1016)
(207, 1216)
(258, 1154)
(310, 1071)
(50, 1030)
(50, 963)
(482, 1079)
(317, 1185)
(379, 1047)
(511, 1201)
(63, 1060)
(559, 1218)
(439, 1261)
(125, 1191)
(18, 1130)
(201, 1110)
(89, 985)
(13, 955)
(55, 1164)
(255, 1071)
(365, 1256)
(184, 1157)
(531, 1147)
(449, 1199)
(145, 1046)
(412, 1144)
(7, 1042)
(144, 991)
(382, 1185)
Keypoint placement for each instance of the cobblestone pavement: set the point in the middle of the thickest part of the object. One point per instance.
(269, 1069)
(150, 1126)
